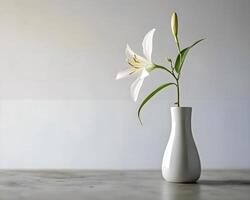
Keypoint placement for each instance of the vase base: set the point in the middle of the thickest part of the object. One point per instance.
(182, 182)
(192, 180)
(188, 177)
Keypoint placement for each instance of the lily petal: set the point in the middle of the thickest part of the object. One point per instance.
(147, 44)
(125, 73)
(137, 84)
(135, 88)
(144, 73)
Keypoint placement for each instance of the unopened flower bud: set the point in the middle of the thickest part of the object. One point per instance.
(174, 25)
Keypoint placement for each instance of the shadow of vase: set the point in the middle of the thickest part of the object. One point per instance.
(224, 182)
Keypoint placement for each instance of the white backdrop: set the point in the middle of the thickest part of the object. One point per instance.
(61, 107)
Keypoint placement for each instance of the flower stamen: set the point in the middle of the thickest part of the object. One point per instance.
(136, 59)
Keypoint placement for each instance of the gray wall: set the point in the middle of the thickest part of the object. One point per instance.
(61, 107)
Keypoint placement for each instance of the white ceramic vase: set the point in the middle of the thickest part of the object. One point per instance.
(181, 162)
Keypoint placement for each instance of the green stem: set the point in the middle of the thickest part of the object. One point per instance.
(176, 79)
(178, 76)
(178, 92)
(164, 68)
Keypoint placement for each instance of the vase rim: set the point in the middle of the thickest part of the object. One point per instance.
(184, 107)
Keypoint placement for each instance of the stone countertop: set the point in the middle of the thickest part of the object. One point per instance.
(120, 185)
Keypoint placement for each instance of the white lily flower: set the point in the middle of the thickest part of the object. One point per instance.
(139, 65)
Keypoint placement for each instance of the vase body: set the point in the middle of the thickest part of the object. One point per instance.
(181, 162)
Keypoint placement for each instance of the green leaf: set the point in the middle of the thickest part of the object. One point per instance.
(150, 96)
(182, 56)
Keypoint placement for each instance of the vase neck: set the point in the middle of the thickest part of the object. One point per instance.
(181, 118)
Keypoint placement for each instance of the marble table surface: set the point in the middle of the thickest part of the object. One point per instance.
(119, 185)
